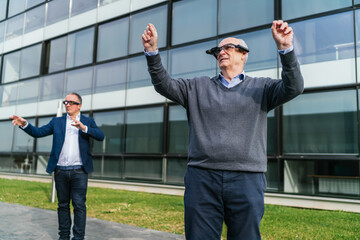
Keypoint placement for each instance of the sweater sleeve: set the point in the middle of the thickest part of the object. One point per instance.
(173, 89)
(278, 92)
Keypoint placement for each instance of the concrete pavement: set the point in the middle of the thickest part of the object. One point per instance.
(26, 223)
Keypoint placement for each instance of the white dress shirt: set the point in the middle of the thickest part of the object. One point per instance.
(70, 152)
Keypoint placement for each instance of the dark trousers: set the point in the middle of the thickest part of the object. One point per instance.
(71, 184)
(213, 196)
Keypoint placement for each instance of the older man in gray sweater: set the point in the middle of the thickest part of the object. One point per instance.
(227, 116)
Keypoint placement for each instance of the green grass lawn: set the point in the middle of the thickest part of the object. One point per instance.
(165, 212)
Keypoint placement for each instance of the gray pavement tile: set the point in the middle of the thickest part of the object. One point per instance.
(26, 223)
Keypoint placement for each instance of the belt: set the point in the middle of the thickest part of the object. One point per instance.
(69, 167)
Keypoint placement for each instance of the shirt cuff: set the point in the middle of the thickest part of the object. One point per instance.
(25, 125)
(286, 50)
(86, 129)
(156, 52)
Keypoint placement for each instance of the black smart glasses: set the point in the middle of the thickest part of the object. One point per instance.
(70, 103)
(215, 51)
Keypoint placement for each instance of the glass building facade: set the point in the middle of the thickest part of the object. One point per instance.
(93, 47)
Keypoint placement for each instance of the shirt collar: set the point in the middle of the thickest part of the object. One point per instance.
(234, 81)
(77, 117)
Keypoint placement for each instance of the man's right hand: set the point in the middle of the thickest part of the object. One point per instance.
(150, 38)
(16, 120)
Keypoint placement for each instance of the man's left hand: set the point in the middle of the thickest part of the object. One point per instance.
(78, 125)
(282, 34)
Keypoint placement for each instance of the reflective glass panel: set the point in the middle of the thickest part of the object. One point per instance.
(57, 57)
(8, 94)
(327, 178)
(326, 58)
(80, 6)
(192, 61)
(193, 20)
(30, 61)
(294, 8)
(321, 123)
(110, 76)
(80, 48)
(272, 175)
(237, 15)
(106, 2)
(112, 125)
(3, 6)
(138, 71)
(113, 39)
(32, 3)
(176, 169)
(7, 130)
(2, 34)
(143, 169)
(57, 10)
(16, 6)
(14, 27)
(113, 167)
(144, 130)
(52, 87)
(79, 81)
(11, 67)
(156, 16)
(44, 144)
(34, 19)
(263, 52)
(271, 133)
(178, 130)
(22, 141)
(28, 91)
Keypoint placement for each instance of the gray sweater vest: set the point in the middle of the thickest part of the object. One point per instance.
(228, 127)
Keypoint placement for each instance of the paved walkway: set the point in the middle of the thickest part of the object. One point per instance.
(26, 223)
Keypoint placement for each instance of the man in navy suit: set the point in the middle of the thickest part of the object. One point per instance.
(71, 160)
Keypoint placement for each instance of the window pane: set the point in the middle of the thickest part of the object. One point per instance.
(321, 123)
(44, 144)
(80, 48)
(16, 6)
(144, 130)
(35, 19)
(79, 81)
(110, 76)
(52, 87)
(80, 6)
(272, 175)
(32, 3)
(22, 141)
(295, 8)
(143, 169)
(178, 130)
(158, 17)
(326, 58)
(263, 53)
(28, 91)
(8, 94)
(322, 177)
(30, 61)
(6, 130)
(3, 6)
(113, 167)
(175, 171)
(192, 61)
(57, 54)
(196, 18)
(112, 125)
(237, 15)
(11, 67)
(57, 10)
(106, 2)
(2, 34)
(271, 133)
(14, 27)
(138, 71)
(113, 39)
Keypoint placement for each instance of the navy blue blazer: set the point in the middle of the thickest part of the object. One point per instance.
(57, 127)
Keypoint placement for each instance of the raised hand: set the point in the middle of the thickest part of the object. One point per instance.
(78, 124)
(16, 120)
(282, 34)
(150, 38)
